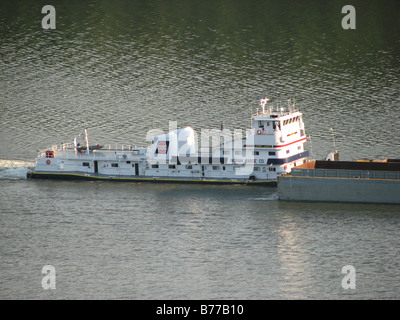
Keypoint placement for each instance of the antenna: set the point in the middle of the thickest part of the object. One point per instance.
(311, 151)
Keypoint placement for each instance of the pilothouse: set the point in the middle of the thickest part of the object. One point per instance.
(272, 146)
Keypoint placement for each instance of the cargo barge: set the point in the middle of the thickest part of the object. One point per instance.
(343, 181)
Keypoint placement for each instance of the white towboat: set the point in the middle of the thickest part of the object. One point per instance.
(271, 147)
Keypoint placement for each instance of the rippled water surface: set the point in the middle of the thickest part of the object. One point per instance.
(121, 68)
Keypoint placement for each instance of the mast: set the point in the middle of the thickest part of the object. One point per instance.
(333, 136)
(263, 102)
(87, 141)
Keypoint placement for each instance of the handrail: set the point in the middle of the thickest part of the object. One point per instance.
(351, 174)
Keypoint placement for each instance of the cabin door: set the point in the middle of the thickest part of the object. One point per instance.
(136, 169)
(96, 167)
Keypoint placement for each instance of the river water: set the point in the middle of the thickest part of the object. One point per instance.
(121, 68)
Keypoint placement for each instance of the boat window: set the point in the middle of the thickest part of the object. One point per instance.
(215, 167)
(287, 151)
(171, 166)
(114, 165)
(86, 164)
(277, 125)
(271, 153)
(257, 169)
(256, 153)
(154, 166)
(188, 166)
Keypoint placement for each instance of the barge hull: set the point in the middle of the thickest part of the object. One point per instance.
(322, 189)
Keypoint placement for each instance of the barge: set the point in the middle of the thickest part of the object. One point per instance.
(272, 146)
(361, 181)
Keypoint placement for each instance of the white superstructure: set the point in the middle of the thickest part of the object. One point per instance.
(272, 146)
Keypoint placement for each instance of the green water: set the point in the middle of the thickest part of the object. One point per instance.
(121, 68)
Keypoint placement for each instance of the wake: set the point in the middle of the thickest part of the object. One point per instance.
(272, 197)
(14, 169)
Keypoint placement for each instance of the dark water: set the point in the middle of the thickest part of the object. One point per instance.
(122, 68)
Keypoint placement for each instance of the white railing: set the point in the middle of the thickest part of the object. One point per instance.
(355, 174)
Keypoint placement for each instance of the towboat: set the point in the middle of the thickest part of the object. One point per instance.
(272, 146)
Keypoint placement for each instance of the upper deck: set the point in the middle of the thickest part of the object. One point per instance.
(274, 113)
(275, 126)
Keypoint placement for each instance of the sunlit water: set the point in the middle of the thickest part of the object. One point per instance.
(121, 69)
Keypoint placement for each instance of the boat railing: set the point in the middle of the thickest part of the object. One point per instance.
(105, 152)
(353, 174)
(280, 111)
(108, 147)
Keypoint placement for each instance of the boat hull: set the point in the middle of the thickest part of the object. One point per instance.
(98, 177)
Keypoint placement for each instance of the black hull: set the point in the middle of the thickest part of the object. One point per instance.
(83, 177)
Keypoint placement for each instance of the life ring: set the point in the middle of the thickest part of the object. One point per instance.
(48, 161)
(258, 131)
